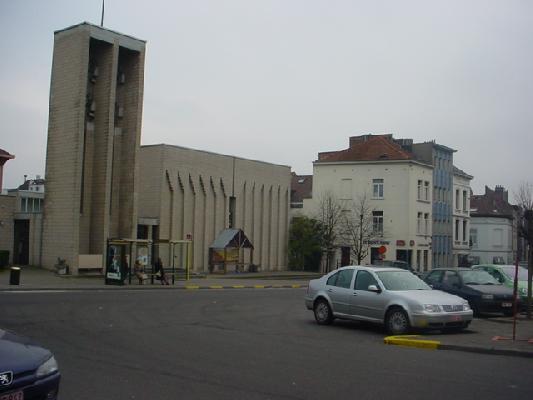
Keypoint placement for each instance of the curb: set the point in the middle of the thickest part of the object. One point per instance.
(153, 287)
(411, 341)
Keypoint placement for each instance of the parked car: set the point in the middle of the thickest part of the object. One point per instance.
(27, 371)
(484, 293)
(393, 297)
(505, 275)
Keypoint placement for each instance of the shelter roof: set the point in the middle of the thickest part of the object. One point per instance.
(231, 238)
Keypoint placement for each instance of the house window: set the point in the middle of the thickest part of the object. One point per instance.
(473, 237)
(426, 190)
(456, 229)
(425, 260)
(378, 188)
(464, 200)
(232, 206)
(377, 223)
(457, 199)
(419, 193)
(418, 259)
(426, 223)
(464, 231)
(419, 223)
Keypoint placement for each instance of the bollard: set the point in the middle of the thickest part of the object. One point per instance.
(14, 276)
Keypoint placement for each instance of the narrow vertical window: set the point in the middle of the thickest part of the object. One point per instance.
(419, 223)
(377, 223)
(378, 188)
(419, 192)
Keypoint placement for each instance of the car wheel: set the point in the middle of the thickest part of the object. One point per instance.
(397, 322)
(323, 313)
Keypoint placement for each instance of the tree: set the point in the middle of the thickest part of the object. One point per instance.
(329, 216)
(357, 228)
(524, 197)
(305, 244)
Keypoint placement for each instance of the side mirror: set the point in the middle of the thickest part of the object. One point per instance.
(374, 288)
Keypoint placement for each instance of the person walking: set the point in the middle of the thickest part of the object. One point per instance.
(138, 270)
(160, 272)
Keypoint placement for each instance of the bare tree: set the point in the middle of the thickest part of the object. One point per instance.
(329, 216)
(524, 197)
(357, 229)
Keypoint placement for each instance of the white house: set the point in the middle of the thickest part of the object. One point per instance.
(461, 217)
(492, 229)
(398, 189)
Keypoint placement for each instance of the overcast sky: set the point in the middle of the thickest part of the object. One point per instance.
(280, 81)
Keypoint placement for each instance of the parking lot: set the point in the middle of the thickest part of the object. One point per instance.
(239, 344)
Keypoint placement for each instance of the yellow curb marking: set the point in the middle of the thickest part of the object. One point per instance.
(238, 286)
(192, 287)
(296, 286)
(216, 287)
(411, 341)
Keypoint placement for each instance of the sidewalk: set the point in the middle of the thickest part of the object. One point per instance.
(485, 335)
(32, 278)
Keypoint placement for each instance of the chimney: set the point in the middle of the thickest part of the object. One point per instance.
(501, 193)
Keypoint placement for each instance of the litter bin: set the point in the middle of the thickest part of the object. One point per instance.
(14, 276)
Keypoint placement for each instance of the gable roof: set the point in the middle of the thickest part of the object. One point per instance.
(231, 238)
(367, 148)
(491, 204)
(301, 187)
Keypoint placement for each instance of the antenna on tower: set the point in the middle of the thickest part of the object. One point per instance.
(103, 9)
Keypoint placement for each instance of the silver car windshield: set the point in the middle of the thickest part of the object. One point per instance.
(401, 280)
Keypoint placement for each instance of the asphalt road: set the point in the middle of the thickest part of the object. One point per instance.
(239, 344)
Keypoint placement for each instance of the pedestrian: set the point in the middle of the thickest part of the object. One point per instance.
(138, 269)
(160, 272)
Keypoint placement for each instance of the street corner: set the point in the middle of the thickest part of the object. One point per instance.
(412, 341)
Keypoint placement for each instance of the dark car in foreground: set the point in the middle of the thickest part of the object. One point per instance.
(27, 371)
(484, 293)
(393, 297)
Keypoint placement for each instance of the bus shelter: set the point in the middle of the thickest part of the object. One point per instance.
(119, 256)
(176, 257)
(228, 249)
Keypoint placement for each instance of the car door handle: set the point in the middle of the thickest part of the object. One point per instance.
(355, 293)
(330, 290)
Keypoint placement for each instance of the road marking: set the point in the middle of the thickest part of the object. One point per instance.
(192, 287)
(238, 286)
(412, 341)
(216, 287)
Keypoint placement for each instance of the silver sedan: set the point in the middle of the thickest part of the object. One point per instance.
(390, 296)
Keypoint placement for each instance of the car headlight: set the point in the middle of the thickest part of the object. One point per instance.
(487, 296)
(48, 367)
(432, 308)
(466, 307)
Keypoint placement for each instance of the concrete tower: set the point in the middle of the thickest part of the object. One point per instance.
(94, 129)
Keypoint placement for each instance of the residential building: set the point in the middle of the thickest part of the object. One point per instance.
(21, 222)
(301, 189)
(4, 157)
(395, 185)
(441, 158)
(461, 217)
(493, 232)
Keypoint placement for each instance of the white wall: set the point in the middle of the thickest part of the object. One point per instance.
(400, 205)
(494, 239)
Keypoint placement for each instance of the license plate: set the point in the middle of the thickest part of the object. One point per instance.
(507, 304)
(13, 396)
(456, 318)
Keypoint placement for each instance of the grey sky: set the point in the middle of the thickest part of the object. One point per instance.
(280, 81)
